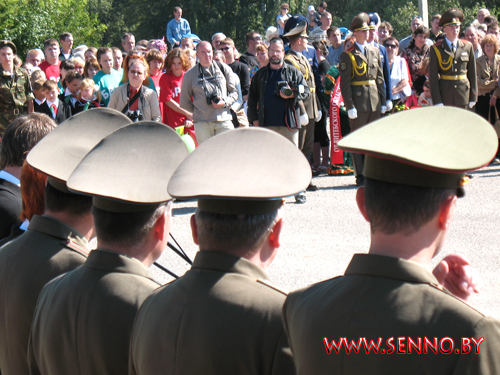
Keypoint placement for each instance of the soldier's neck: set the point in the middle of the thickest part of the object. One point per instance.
(8, 68)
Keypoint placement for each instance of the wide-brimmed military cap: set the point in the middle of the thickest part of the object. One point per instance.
(59, 152)
(244, 171)
(428, 147)
(451, 17)
(360, 22)
(292, 22)
(299, 30)
(128, 171)
(8, 43)
(374, 21)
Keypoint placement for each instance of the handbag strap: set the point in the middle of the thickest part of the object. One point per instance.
(132, 100)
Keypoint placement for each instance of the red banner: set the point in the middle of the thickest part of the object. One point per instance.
(336, 155)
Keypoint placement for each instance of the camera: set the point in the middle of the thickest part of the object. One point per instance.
(135, 115)
(284, 87)
(213, 98)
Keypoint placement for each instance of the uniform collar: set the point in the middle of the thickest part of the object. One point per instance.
(228, 263)
(389, 268)
(111, 261)
(56, 228)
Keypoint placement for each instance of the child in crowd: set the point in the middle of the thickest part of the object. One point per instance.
(37, 87)
(107, 79)
(53, 107)
(71, 86)
(91, 68)
(425, 98)
(87, 98)
(65, 67)
(37, 75)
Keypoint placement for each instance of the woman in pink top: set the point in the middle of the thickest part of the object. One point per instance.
(176, 64)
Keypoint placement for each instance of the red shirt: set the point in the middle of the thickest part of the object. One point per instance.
(135, 105)
(170, 89)
(52, 72)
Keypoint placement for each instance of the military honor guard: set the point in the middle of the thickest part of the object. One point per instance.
(224, 316)
(388, 297)
(54, 243)
(83, 320)
(362, 83)
(16, 96)
(452, 68)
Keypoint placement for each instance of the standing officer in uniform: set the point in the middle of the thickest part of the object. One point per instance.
(16, 96)
(452, 69)
(362, 83)
(223, 316)
(389, 296)
(54, 243)
(83, 320)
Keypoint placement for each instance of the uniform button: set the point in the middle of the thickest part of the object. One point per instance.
(455, 62)
(455, 86)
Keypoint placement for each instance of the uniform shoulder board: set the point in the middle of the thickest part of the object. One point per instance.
(76, 247)
(464, 42)
(439, 42)
(351, 48)
(446, 291)
(268, 284)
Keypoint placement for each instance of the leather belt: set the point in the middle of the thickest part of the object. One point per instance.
(363, 83)
(453, 78)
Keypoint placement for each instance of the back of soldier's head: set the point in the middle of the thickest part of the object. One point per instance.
(21, 136)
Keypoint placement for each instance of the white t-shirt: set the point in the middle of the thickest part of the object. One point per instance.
(399, 71)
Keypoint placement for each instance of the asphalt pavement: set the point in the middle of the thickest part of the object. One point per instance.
(320, 236)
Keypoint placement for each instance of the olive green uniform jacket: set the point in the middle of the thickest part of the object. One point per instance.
(460, 86)
(48, 249)
(83, 319)
(15, 92)
(221, 317)
(386, 297)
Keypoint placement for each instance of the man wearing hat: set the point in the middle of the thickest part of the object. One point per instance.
(374, 24)
(452, 67)
(16, 96)
(298, 42)
(362, 83)
(83, 320)
(388, 297)
(223, 316)
(54, 243)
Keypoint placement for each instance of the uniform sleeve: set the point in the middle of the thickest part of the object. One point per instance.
(387, 75)
(27, 89)
(345, 69)
(486, 361)
(283, 359)
(471, 75)
(381, 81)
(433, 77)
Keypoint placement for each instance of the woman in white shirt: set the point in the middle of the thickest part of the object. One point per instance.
(399, 71)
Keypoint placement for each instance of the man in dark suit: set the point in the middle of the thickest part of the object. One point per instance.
(389, 314)
(362, 83)
(56, 242)
(19, 138)
(452, 68)
(52, 106)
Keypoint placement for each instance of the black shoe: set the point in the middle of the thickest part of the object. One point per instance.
(360, 180)
(300, 198)
(312, 187)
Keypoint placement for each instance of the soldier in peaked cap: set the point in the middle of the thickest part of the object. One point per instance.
(452, 67)
(223, 316)
(83, 319)
(362, 83)
(408, 198)
(54, 243)
(16, 96)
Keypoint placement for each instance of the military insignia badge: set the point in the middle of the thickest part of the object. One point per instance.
(343, 66)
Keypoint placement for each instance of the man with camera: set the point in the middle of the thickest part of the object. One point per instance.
(208, 90)
(275, 93)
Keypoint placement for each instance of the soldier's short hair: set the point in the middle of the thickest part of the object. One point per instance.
(128, 229)
(50, 42)
(73, 204)
(234, 234)
(21, 136)
(49, 85)
(395, 208)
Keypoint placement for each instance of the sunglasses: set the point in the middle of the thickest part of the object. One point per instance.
(225, 49)
(391, 46)
(135, 72)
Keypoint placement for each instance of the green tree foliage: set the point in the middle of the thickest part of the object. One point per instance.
(29, 22)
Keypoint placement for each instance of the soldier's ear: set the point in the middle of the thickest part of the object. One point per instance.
(194, 229)
(360, 200)
(274, 236)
